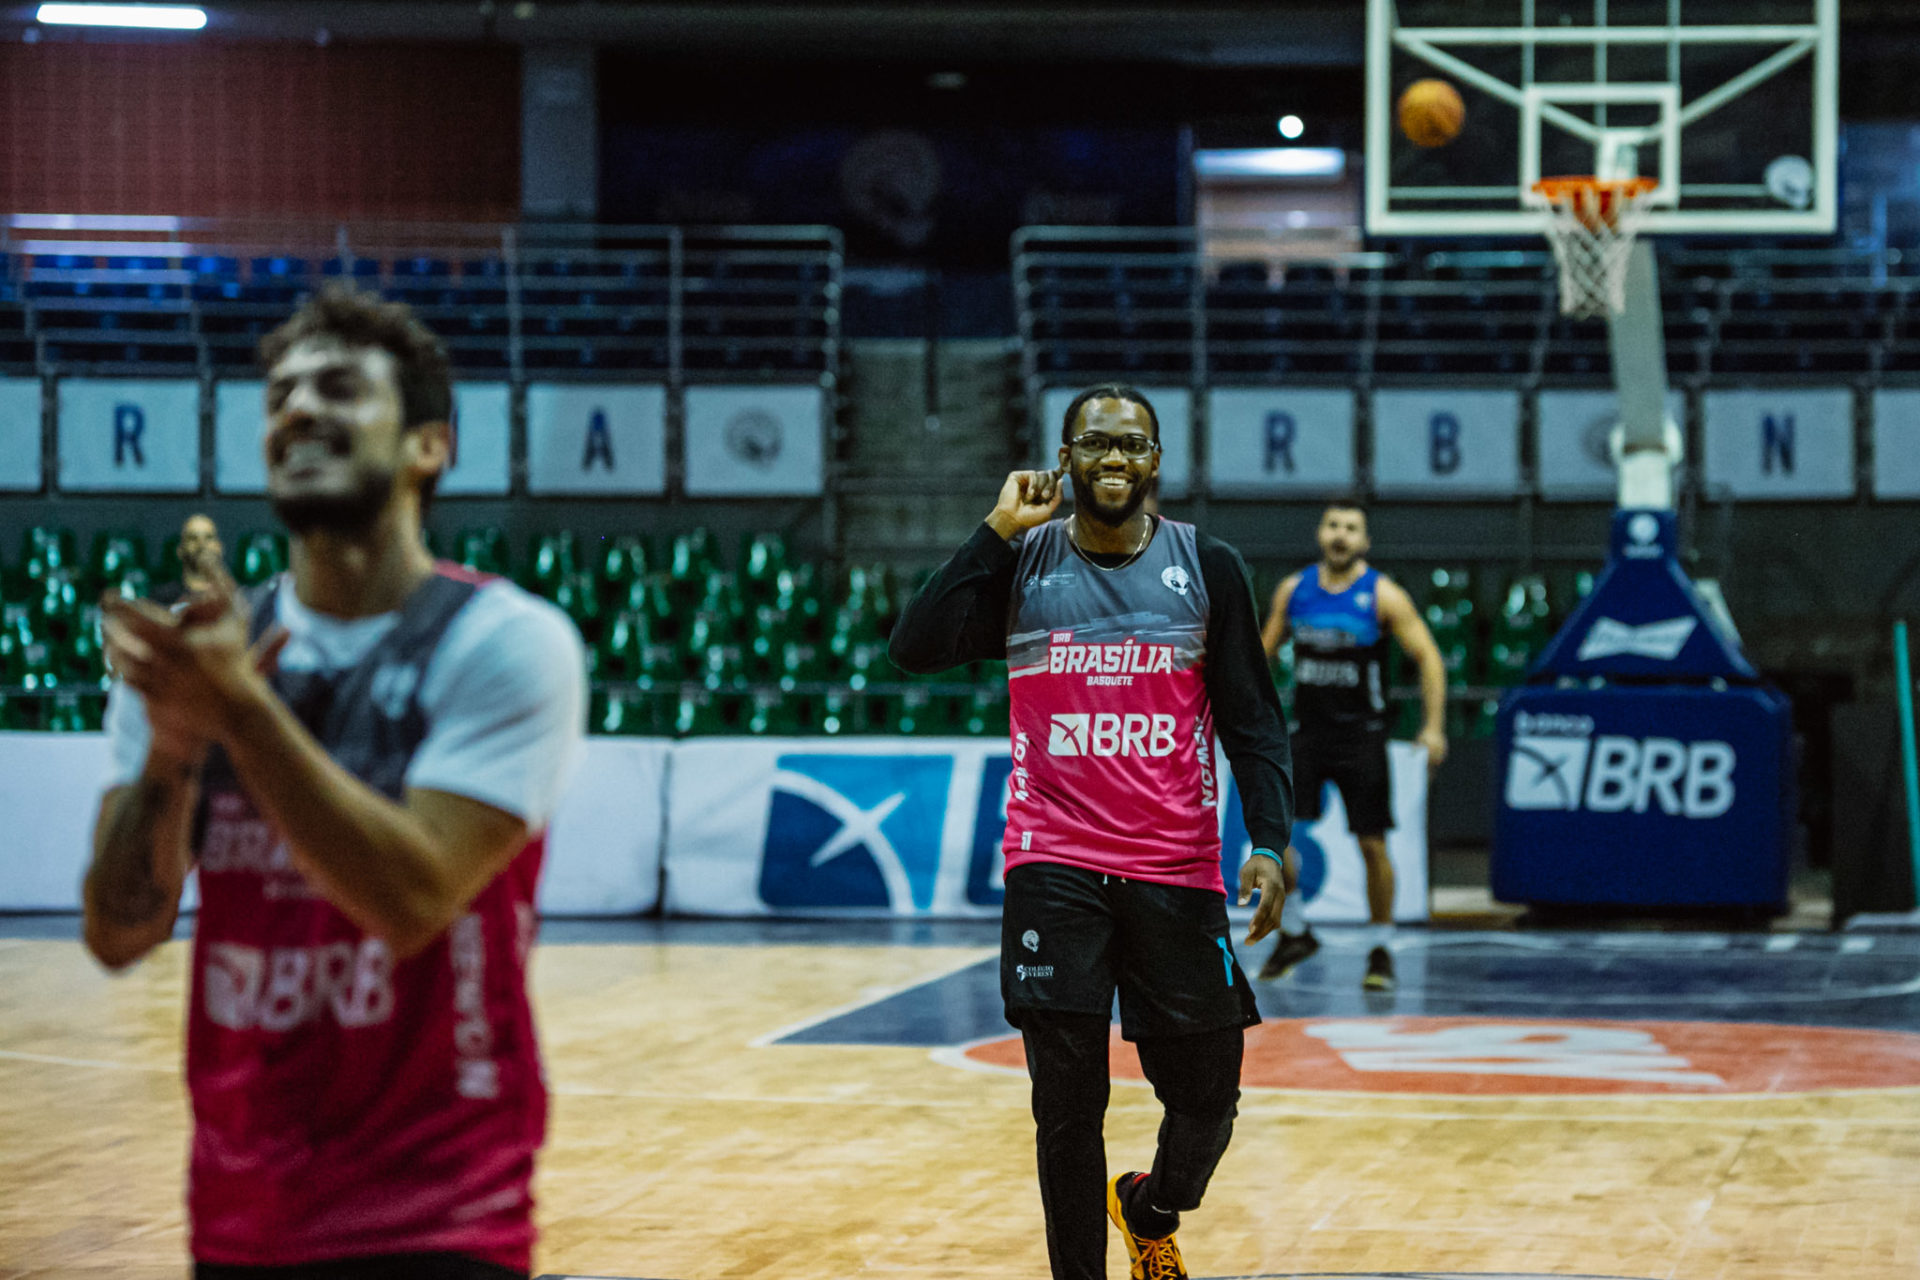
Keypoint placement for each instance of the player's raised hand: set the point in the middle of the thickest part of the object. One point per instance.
(1027, 499)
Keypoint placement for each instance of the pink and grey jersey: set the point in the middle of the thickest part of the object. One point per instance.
(1112, 729)
(347, 1102)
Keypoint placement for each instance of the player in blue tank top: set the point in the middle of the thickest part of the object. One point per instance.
(1339, 613)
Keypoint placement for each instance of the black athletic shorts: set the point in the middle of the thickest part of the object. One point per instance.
(1069, 938)
(1358, 766)
(392, 1266)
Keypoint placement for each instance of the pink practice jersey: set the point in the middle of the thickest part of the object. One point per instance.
(347, 1103)
(1112, 731)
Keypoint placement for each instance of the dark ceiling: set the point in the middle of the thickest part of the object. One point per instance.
(1880, 38)
(1276, 32)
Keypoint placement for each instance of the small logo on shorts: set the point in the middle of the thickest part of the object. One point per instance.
(1176, 579)
(1030, 940)
(1025, 971)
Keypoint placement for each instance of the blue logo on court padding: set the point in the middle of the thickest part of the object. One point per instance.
(855, 831)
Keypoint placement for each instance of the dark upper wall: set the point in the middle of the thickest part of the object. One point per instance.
(259, 130)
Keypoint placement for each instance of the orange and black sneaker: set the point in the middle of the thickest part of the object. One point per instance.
(1150, 1259)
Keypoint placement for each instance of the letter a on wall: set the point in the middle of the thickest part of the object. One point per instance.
(596, 438)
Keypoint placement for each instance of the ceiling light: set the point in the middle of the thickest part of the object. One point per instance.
(161, 17)
(1292, 126)
(1271, 162)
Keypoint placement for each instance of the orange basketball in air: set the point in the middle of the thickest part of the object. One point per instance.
(1431, 113)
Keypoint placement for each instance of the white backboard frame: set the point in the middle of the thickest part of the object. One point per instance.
(1817, 40)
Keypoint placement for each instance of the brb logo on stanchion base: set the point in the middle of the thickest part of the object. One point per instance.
(1560, 762)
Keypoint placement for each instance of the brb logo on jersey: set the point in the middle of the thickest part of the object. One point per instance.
(1558, 762)
(1110, 734)
(855, 831)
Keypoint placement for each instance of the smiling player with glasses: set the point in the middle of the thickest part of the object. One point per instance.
(1129, 639)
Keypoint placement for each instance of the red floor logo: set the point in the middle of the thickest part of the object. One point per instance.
(1568, 1056)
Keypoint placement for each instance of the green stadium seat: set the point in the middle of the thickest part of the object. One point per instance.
(43, 550)
(773, 714)
(693, 558)
(720, 603)
(623, 560)
(1454, 637)
(702, 711)
(135, 584)
(114, 556)
(722, 666)
(551, 558)
(19, 713)
(840, 713)
(761, 559)
(987, 710)
(576, 595)
(1450, 588)
(54, 611)
(66, 712)
(620, 651)
(483, 551)
(259, 556)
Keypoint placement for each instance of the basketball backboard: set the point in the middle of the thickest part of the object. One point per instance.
(1728, 104)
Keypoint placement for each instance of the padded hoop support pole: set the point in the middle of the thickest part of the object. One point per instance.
(1649, 445)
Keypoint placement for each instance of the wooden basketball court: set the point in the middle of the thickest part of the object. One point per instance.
(745, 1101)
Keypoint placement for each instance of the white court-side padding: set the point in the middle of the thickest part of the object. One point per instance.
(20, 457)
(483, 434)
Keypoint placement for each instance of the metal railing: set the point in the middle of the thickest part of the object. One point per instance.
(145, 295)
(1173, 305)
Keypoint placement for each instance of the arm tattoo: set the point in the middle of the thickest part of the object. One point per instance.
(129, 892)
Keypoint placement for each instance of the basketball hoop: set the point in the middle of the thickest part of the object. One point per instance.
(1591, 223)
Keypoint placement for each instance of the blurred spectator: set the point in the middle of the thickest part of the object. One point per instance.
(200, 554)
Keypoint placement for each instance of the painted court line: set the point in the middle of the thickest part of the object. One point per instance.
(861, 1002)
(57, 1061)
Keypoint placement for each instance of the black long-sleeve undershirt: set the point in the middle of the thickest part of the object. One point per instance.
(960, 615)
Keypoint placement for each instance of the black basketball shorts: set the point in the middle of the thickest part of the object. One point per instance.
(1358, 766)
(1070, 938)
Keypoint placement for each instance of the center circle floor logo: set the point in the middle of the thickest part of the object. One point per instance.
(1505, 1056)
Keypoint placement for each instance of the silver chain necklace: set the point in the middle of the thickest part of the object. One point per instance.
(1145, 538)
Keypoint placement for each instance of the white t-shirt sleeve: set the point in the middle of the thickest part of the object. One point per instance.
(505, 700)
(128, 735)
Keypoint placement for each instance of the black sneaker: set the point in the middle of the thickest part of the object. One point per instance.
(1379, 970)
(1288, 953)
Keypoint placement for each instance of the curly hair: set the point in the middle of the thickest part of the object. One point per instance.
(357, 319)
(1107, 391)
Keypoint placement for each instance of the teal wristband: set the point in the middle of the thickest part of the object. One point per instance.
(1268, 853)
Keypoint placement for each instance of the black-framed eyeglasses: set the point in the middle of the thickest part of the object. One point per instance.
(1098, 444)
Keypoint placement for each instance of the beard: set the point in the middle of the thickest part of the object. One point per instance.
(1088, 504)
(348, 514)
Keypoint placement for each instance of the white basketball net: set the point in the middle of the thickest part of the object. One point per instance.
(1591, 225)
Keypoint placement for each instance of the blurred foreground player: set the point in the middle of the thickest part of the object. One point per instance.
(1129, 639)
(1339, 613)
(361, 758)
